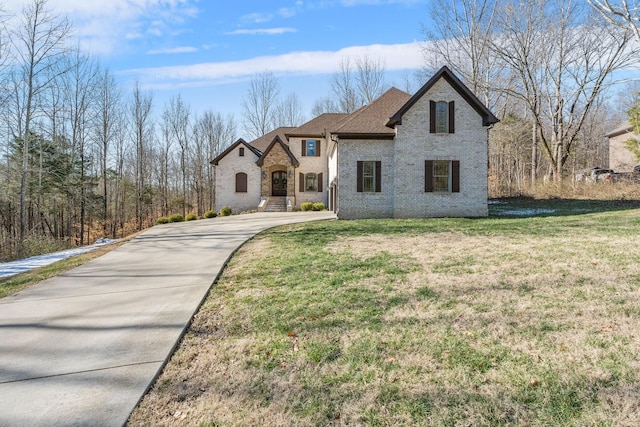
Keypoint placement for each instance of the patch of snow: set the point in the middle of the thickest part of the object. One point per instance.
(526, 212)
(20, 266)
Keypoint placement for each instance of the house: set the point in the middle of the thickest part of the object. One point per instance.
(401, 156)
(620, 158)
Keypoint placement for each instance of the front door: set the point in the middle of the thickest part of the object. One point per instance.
(279, 183)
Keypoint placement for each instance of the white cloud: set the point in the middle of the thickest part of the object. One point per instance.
(103, 26)
(267, 31)
(395, 57)
(173, 50)
(257, 18)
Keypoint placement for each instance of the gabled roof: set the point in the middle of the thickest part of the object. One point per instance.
(232, 147)
(285, 147)
(318, 126)
(370, 120)
(445, 73)
(265, 140)
(622, 129)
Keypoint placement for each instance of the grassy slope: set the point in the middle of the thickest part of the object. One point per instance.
(496, 321)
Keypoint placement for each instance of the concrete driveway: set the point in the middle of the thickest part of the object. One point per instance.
(82, 348)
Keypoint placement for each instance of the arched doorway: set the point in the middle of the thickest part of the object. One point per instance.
(279, 183)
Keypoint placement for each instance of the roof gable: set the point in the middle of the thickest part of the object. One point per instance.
(285, 147)
(622, 129)
(232, 147)
(445, 73)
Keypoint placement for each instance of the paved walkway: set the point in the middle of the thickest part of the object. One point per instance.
(82, 348)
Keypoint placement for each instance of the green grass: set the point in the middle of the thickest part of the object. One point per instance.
(507, 320)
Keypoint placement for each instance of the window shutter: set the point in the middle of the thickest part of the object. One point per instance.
(318, 144)
(241, 151)
(455, 176)
(452, 117)
(304, 147)
(432, 116)
(241, 182)
(378, 177)
(319, 183)
(301, 187)
(359, 179)
(428, 176)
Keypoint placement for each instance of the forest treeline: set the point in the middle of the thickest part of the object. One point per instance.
(82, 156)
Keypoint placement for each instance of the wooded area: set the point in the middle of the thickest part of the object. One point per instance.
(83, 157)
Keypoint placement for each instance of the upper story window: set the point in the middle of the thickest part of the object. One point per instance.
(241, 151)
(310, 147)
(441, 117)
(369, 176)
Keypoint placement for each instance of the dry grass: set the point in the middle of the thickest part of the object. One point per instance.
(500, 321)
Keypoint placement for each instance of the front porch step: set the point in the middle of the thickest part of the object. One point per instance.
(276, 204)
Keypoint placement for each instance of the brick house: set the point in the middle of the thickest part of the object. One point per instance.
(401, 156)
(620, 158)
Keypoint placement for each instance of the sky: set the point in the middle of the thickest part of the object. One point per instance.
(208, 50)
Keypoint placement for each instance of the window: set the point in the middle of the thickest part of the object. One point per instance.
(241, 182)
(310, 147)
(442, 176)
(369, 176)
(241, 151)
(441, 117)
(310, 182)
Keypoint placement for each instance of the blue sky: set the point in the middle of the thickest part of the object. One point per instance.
(207, 50)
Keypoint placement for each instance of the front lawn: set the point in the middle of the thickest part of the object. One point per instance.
(524, 318)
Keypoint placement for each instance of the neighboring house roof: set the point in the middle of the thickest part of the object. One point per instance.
(285, 147)
(370, 120)
(318, 126)
(622, 129)
(232, 147)
(445, 73)
(265, 140)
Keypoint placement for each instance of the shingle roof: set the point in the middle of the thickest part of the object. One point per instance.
(265, 140)
(623, 128)
(372, 119)
(318, 126)
(487, 116)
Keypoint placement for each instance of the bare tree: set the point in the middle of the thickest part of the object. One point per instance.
(39, 44)
(460, 37)
(109, 124)
(343, 88)
(370, 78)
(621, 13)
(259, 105)
(289, 112)
(562, 60)
(140, 109)
(324, 105)
(176, 118)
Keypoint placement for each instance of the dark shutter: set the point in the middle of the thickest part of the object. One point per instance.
(455, 176)
(359, 177)
(452, 117)
(432, 116)
(318, 144)
(301, 175)
(241, 182)
(378, 177)
(319, 183)
(428, 176)
(241, 151)
(304, 147)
